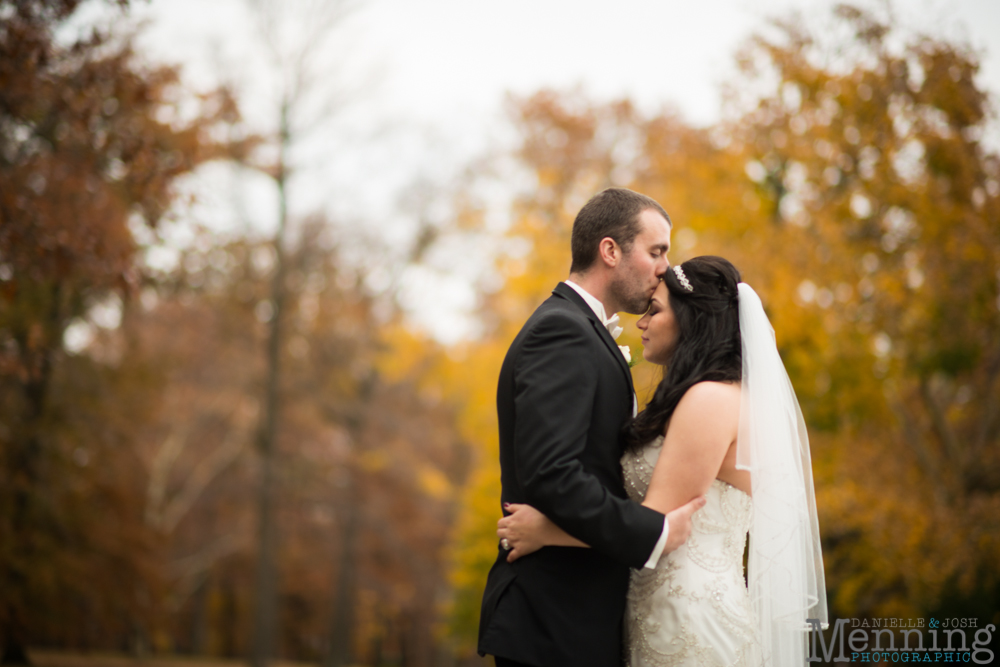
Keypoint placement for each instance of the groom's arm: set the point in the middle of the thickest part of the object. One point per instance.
(555, 385)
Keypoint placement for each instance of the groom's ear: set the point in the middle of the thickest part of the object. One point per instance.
(609, 252)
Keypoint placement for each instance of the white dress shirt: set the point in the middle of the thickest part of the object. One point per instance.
(598, 308)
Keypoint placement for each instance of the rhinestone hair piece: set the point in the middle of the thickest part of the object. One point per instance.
(681, 278)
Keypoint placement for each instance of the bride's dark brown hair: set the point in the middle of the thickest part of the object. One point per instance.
(708, 343)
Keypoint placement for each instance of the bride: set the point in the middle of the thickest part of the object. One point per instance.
(724, 423)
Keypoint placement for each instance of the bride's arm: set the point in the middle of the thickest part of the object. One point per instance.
(700, 433)
(701, 430)
(527, 530)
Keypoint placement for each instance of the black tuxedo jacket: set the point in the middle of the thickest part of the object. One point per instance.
(565, 391)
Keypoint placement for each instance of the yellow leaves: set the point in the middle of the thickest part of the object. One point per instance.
(465, 377)
(373, 460)
(434, 483)
(473, 551)
(548, 177)
(404, 352)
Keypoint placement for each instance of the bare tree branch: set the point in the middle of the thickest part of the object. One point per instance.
(940, 424)
(990, 425)
(159, 474)
(165, 513)
(233, 445)
(925, 456)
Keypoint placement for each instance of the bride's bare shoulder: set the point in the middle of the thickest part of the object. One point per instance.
(711, 394)
(706, 418)
(710, 402)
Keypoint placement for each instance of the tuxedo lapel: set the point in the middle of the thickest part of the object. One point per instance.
(567, 292)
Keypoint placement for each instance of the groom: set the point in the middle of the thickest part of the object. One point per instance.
(565, 391)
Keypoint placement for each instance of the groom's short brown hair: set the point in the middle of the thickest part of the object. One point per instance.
(613, 213)
(610, 213)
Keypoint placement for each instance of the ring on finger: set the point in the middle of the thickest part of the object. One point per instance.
(505, 543)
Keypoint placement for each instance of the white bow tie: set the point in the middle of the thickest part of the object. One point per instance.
(612, 326)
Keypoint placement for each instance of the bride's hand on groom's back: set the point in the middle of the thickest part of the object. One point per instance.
(680, 523)
(521, 532)
(526, 530)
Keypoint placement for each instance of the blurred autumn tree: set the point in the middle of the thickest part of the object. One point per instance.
(132, 395)
(90, 145)
(362, 450)
(296, 38)
(868, 157)
(852, 189)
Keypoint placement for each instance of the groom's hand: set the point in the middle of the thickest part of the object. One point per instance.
(680, 523)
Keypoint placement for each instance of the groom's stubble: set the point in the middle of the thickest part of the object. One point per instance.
(636, 277)
(628, 289)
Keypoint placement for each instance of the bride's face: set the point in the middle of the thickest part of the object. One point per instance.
(659, 329)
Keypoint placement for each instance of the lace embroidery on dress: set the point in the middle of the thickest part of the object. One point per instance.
(693, 609)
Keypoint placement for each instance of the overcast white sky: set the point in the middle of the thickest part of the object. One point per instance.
(465, 52)
(437, 73)
(441, 59)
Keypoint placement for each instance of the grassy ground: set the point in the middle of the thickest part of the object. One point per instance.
(62, 659)
(71, 659)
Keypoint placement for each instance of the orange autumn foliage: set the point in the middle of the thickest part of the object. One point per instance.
(855, 194)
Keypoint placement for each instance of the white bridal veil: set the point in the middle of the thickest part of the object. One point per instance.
(785, 565)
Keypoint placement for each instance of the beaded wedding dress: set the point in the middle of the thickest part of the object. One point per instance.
(693, 609)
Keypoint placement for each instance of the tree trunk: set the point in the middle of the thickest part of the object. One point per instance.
(262, 647)
(26, 460)
(265, 609)
(228, 619)
(198, 639)
(14, 652)
(342, 626)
